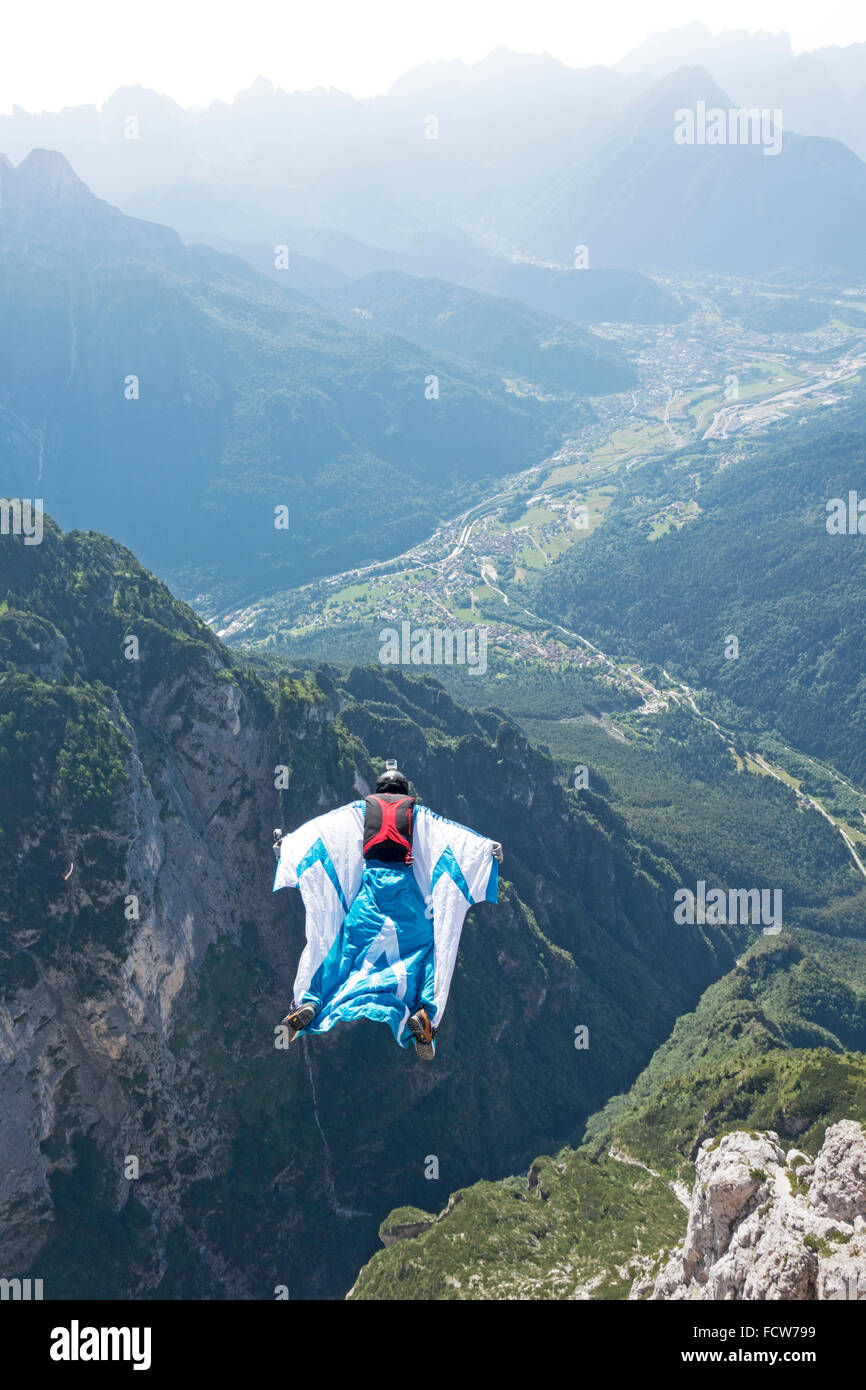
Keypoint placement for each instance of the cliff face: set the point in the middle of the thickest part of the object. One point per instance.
(618, 1217)
(766, 1224)
(154, 1140)
(762, 1224)
(158, 389)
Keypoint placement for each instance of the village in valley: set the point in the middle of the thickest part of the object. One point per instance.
(703, 379)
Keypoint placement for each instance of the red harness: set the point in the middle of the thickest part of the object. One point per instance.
(388, 827)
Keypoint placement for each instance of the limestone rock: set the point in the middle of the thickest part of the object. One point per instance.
(767, 1226)
(838, 1186)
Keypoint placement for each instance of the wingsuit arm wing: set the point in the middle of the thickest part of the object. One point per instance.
(324, 859)
(454, 868)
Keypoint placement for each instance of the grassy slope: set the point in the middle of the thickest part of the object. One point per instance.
(763, 1050)
(758, 563)
(596, 946)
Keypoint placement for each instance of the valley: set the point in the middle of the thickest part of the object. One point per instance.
(701, 380)
(489, 426)
(476, 569)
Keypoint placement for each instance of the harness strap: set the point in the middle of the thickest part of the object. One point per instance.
(388, 830)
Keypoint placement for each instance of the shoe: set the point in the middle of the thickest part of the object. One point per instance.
(419, 1026)
(298, 1020)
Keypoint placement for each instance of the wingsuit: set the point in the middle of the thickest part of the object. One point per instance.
(386, 885)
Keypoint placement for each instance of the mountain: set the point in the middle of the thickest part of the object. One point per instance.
(607, 1220)
(758, 562)
(589, 295)
(173, 396)
(375, 169)
(502, 334)
(757, 1210)
(323, 261)
(43, 200)
(635, 197)
(515, 156)
(144, 961)
(821, 93)
(733, 54)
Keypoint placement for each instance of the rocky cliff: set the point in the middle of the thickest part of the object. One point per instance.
(603, 1221)
(769, 1224)
(154, 1141)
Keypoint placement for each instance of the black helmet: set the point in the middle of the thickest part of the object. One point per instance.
(392, 781)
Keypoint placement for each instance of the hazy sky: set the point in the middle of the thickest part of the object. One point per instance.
(69, 52)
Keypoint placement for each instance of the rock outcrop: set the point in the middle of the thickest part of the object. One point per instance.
(154, 1141)
(766, 1224)
(405, 1224)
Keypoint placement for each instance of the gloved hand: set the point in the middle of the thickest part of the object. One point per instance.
(497, 851)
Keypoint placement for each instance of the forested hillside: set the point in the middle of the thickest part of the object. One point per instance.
(238, 435)
(757, 563)
(777, 1045)
(145, 962)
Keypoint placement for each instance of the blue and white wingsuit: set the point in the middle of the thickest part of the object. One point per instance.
(382, 938)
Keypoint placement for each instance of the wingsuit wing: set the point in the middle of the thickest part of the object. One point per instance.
(324, 858)
(454, 868)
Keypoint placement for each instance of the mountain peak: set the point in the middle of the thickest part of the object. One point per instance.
(260, 93)
(49, 172)
(686, 84)
(692, 44)
(44, 199)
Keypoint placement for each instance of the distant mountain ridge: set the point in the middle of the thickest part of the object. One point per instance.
(176, 396)
(636, 197)
(323, 261)
(823, 92)
(501, 333)
(516, 154)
